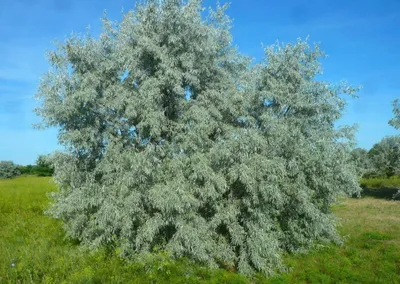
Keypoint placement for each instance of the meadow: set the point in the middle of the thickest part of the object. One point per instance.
(34, 249)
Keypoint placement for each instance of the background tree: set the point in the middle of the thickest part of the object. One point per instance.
(174, 140)
(395, 121)
(43, 166)
(385, 156)
(8, 169)
(363, 163)
(26, 170)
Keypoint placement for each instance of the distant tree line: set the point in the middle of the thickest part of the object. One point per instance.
(42, 167)
(382, 160)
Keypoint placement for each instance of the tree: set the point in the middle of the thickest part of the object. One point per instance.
(395, 121)
(8, 170)
(175, 140)
(385, 156)
(43, 166)
(362, 161)
(26, 170)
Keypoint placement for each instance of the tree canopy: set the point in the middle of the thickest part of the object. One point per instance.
(175, 140)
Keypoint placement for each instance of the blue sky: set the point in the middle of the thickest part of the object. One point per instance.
(361, 38)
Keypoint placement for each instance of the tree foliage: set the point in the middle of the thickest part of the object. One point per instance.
(42, 167)
(395, 121)
(382, 161)
(175, 140)
(8, 170)
(363, 163)
(385, 156)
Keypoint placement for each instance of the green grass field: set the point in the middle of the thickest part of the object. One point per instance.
(33, 248)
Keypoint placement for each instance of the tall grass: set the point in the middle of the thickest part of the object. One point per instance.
(376, 183)
(33, 248)
(370, 253)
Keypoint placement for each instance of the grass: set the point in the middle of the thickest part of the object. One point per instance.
(371, 251)
(33, 248)
(380, 187)
(392, 182)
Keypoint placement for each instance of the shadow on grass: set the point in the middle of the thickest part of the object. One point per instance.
(382, 193)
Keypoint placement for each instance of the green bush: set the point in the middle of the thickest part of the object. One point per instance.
(43, 167)
(36, 170)
(26, 170)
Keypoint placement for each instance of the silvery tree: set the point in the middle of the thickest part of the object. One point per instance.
(8, 170)
(385, 156)
(363, 163)
(395, 121)
(175, 140)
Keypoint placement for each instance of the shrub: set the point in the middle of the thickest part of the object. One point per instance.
(26, 170)
(8, 169)
(42, 168)
(176, 141)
